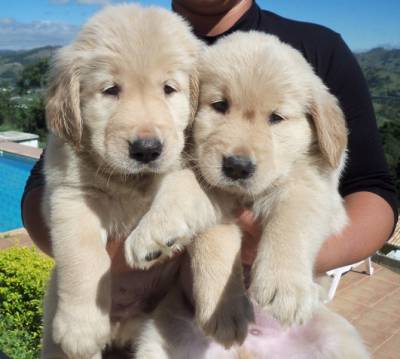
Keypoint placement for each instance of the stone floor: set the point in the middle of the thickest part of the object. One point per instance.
(18, 237)
(18, 149)
(370, 303)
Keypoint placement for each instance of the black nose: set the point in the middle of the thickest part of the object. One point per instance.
(145, 150)
(238, 167)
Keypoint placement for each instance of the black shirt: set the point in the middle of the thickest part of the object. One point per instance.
(334, 63)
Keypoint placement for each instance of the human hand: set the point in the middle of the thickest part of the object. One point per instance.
(251, 229)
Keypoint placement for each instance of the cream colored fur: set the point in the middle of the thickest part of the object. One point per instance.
(94, 189)
(294, 188)
(294, 192)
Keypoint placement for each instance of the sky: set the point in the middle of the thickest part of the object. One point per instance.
(363, 24)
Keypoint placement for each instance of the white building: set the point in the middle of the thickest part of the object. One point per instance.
(23, 138)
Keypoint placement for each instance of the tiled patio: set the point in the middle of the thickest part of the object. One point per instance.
(371, 303)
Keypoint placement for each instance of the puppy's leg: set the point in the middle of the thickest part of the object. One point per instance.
(51, 350)
(180, 210)
(282, 274)
(151, 344)
(223, 310)
(81, 318)
(170, 325)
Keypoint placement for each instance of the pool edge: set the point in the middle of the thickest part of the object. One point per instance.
(21, 150)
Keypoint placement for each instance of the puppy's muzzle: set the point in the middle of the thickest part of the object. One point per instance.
(238, 167)
(145, 150)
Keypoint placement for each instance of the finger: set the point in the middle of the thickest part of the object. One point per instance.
(249, 250)
(248, 223)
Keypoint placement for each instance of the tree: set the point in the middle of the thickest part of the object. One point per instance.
(6, 107)
(390, 133)
(33, 76)
(30, 115)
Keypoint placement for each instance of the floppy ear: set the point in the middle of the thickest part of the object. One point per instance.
(330, 125)
(194, 88)
(63, 113)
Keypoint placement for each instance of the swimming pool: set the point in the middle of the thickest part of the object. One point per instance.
(14, 171)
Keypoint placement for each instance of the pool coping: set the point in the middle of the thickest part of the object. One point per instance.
(21, 150)
(13, 233)
(15, 237)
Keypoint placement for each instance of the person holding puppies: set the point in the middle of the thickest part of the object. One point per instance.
(366, 185)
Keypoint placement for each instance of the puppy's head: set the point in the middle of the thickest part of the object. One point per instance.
(262, 112)
(126, 89)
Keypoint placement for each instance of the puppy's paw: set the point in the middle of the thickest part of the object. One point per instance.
(171, 223)
(289, 297)
(228, 324)
(81, 334)
(152, 242)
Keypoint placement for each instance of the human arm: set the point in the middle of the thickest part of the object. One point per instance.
(34, 221)
(370, 225)
(31, 204)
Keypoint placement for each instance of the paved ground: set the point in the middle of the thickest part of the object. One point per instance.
(18, 149)
(12, 238)
(371, 303)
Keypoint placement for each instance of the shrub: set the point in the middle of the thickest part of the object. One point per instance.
(24, 273)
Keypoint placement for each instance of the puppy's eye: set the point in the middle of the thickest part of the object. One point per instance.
(168, 89)
(275, 118)
(112, 91)
(220, 106)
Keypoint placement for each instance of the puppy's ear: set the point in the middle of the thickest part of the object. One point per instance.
(63, 113)
(194, 88)
(330, 125)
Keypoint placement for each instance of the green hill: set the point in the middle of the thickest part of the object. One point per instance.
(381, 68)
(25, 57)
(13, 62)
(382, 71)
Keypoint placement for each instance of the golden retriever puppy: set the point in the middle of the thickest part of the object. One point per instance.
(119, 101)
(269, 136)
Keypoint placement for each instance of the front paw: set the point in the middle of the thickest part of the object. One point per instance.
(289, 297)
(81, 334)
(228, 324)
(150, 242)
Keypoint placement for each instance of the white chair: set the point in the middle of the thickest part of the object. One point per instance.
(337, 273)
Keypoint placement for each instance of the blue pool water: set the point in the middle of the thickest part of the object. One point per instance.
(14, 171)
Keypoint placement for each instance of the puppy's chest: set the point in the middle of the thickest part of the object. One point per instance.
(124, 211)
